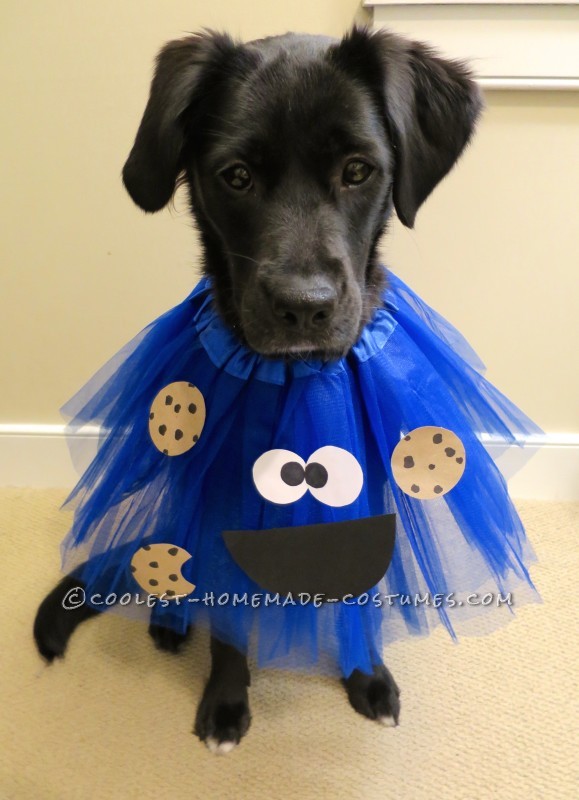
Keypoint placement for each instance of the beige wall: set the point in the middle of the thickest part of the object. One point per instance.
(495, 249)
(82, 269)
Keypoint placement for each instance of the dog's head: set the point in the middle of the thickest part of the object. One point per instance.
(294, 150)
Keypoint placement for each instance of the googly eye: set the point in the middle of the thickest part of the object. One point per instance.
(334, 476)
(280, 476)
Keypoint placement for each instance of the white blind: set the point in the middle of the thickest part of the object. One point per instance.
(519, 44)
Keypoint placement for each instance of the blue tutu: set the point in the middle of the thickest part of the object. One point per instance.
(206, 447)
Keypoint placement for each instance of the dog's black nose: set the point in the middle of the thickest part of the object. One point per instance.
(305, 308)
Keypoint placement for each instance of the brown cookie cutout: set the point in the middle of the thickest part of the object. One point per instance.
(157, 570)
(176, 418)
(428, 462)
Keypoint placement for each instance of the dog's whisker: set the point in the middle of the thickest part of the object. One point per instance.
(240, 255)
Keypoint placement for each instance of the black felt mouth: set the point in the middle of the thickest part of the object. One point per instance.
(333, 559)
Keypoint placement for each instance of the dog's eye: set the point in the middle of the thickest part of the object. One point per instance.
(237, 177)
(356, 172)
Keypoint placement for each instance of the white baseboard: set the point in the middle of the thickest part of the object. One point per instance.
(37, 456)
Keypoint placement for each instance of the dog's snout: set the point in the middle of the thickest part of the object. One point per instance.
(305, 308)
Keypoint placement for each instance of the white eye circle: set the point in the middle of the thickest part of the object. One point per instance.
(279, 476)
(334, 476)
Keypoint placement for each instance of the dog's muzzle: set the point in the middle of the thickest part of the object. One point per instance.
(304, 312)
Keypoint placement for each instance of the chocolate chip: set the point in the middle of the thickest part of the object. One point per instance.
(162, 429)
(415, 488)
(153, 582)
(407, 438)
(178, 434)
(151, 415)
(437, 489)
(154, 564)
(195, 438)
(170, 593)
(432, 466)
(168, 400)
(177, 408)
(173, 577)
(133, 568)
(173, 551)
(166, 452)
(146, 547)
(408, 462)
(437, 438)
(459, 460)
(449, 451)
(192, 408)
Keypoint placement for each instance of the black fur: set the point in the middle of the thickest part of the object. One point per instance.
(292, 254)
(294, 257)
(54, 625)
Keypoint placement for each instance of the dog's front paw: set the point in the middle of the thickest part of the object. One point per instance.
(167, 639)
(375, 696)
(223, 716)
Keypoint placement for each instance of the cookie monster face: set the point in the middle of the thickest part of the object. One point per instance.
(291, 484)
(333, 559)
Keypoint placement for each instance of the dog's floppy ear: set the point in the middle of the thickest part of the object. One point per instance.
(154, 163)
(431, 106)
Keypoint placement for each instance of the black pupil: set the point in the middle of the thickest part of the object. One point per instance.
(292, 473)
(316, 475)
(356, 172)
(237, 177)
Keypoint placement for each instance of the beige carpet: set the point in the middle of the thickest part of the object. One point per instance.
(491, 718)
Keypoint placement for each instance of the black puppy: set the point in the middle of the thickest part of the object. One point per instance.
(294, 150)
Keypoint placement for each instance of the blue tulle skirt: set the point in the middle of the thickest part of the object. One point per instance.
(460, 559)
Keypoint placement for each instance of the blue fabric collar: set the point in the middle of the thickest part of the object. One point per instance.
(228, 353)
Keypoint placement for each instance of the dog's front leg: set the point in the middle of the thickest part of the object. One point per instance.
(376, 696)
(58, 616)
(223, 715)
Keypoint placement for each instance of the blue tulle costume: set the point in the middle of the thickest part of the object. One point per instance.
(411, 371)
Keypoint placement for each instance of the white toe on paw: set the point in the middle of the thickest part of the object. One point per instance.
(388, 722)
(219, 748)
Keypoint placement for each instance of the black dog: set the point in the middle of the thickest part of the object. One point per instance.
(294, 150)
